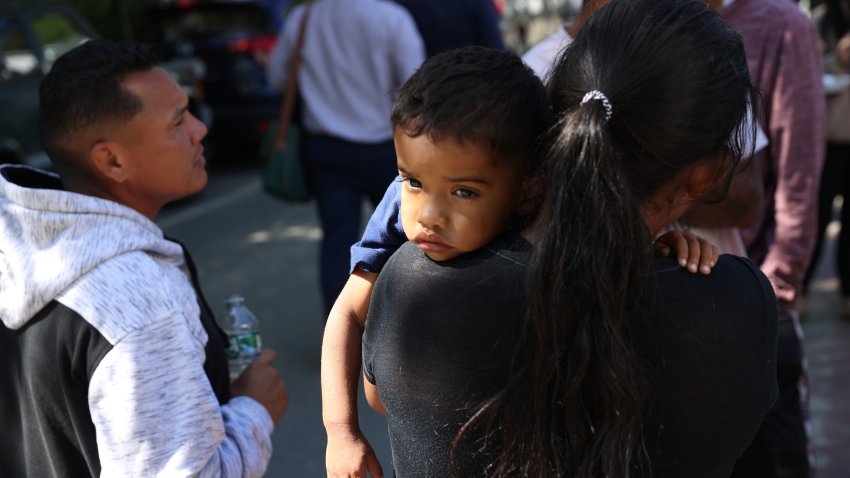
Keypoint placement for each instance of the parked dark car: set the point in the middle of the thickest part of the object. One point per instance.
(32, 37)
(232, 38)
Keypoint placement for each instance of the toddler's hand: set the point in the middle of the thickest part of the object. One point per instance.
(692, 252)
(349, 454)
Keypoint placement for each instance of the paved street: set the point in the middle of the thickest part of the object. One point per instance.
(243, 241)
(827, 347)
(246, 242)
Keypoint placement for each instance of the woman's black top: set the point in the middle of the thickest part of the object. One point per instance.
(439, 338)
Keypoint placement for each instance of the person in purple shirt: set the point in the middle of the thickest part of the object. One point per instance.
(784, 62)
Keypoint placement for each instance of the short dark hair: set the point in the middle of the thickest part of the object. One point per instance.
(83, 89)
(477, 95)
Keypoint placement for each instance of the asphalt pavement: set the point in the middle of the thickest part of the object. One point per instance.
(827, 347)
(246, 242)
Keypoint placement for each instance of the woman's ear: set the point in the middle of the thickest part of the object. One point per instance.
(530, 195)
(707, 175)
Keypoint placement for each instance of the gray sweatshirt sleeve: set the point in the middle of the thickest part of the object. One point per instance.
(156, 414)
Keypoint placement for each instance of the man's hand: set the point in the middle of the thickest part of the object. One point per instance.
(692, 252)
(260, 381)
(349, 454)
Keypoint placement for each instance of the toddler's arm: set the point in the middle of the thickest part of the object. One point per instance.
(348, 451)
(383, 234)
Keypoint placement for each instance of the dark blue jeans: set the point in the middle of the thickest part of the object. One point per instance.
(341, 174)
(835, 180)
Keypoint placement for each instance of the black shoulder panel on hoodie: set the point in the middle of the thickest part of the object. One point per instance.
(45, 422)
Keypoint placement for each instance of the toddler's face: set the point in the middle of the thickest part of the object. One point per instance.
(455, 198)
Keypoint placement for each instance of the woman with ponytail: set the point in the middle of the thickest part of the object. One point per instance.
(627, 365)
(609, 360)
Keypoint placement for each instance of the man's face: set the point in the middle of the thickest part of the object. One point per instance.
(161, 145)
(455, 198)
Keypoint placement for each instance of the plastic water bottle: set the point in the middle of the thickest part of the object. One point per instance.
(243, 330)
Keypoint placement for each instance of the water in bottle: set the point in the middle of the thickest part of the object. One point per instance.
(243, 332)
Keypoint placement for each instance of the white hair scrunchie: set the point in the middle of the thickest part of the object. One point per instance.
(598, 95)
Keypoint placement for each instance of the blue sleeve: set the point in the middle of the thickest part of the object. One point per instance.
(383, 235)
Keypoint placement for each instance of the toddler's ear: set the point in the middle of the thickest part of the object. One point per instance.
(530, 196)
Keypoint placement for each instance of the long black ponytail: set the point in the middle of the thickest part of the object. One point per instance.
(675, 81)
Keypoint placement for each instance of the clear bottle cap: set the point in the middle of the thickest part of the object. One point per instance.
(234, 300)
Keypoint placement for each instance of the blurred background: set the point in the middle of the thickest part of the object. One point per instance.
(216, 49)
(249, 243)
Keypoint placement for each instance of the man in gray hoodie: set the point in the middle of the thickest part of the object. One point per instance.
(110, 359)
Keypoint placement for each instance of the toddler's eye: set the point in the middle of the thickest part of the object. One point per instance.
(414, 183)
(465, 193)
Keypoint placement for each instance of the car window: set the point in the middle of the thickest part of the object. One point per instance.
(57, 34)
(18, 59)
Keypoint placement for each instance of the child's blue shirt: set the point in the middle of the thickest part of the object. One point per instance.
(383, 234)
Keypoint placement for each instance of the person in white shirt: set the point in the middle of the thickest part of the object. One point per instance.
(356, 53)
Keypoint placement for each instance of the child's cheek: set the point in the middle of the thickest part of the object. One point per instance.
(408, 220)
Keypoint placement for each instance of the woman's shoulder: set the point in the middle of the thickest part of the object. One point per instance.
(507, 252)
(734, 274)
(493, 271)
(710, 343)
(736, 299)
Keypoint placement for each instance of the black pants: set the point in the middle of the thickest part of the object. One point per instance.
(341, 174)
(835, 180)
(781, 448)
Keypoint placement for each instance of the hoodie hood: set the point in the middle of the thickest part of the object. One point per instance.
(49, 238)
